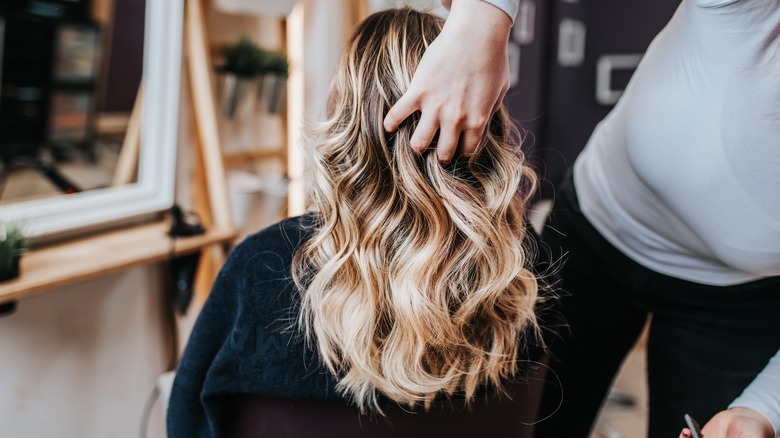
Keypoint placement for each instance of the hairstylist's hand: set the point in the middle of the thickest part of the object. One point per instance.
(736, 423)
(460, 81)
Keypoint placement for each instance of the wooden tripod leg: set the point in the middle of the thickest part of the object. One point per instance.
(216, 210)
(204, 110)
(127, 163)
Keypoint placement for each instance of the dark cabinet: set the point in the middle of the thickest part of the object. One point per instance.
(571, 61)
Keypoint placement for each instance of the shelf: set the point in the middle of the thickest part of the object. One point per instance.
(49, 268)
(238, 158)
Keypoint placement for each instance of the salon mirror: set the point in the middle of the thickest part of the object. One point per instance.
(79, 146)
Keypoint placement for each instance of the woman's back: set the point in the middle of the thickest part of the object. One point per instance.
(410, 287)
(245, 371)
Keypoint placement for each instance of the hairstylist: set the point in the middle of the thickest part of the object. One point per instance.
(672, 211)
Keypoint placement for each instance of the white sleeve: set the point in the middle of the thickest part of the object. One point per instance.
(508, 6)
(713, 3)
(763, 394)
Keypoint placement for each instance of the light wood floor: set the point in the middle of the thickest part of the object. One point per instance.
(616, 421)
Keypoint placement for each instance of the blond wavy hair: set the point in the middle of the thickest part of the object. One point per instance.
(415, 283)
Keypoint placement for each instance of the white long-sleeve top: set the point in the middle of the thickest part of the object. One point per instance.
(509, 6)
(683, 176)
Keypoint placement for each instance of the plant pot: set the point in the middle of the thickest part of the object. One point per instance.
(245, 191)
(272, 96)
(274, 201)
(234, 91)
(12, 271)
(256, 201)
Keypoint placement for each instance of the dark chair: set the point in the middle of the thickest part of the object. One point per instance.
(257, 416)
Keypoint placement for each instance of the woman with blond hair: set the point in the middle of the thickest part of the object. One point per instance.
(405, 303)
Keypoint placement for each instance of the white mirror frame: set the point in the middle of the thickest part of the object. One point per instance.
(153, 190)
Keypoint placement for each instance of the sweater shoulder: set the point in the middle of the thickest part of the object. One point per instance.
(268, 254)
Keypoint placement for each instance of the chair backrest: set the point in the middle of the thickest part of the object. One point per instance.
(259, 416)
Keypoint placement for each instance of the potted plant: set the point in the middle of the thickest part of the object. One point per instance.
(13, 244)
(243, 62)
(275, 69)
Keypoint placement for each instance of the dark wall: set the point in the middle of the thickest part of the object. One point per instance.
(555, 97)
(125, 57)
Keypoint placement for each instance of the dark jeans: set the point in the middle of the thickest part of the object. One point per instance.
(706, 343)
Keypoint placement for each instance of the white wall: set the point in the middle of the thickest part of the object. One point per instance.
(81, 362)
